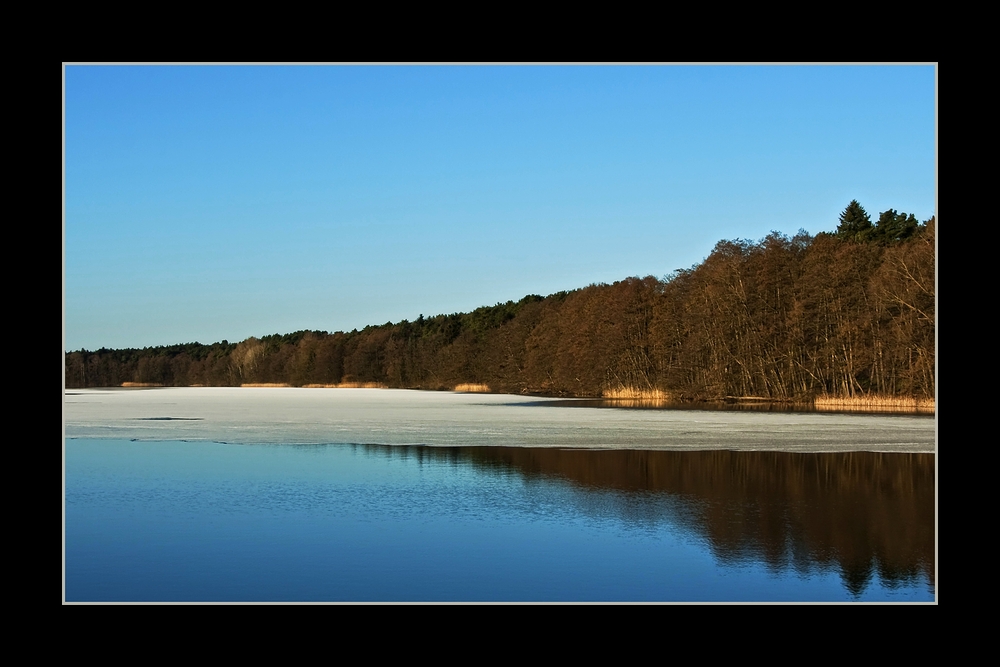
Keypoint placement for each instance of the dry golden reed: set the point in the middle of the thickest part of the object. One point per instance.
(875, 403)
(142, 384)
(473, 388)
(634, 393)
(265, 384)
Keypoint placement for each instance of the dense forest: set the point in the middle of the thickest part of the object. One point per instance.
(849, 313)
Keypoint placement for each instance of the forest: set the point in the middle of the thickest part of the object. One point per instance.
(844, 314)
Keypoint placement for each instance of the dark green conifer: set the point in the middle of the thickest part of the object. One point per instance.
(893, 226)
(855, 223)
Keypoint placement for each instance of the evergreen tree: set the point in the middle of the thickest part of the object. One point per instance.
(855, 223)
(894, 226)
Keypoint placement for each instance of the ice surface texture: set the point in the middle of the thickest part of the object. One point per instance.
(286, 415)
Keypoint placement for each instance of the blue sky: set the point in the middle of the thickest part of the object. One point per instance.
(205, 203)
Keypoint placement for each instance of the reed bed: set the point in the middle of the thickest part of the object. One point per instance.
(142, 384)
(634, 393)
(634, 396)
(875, 403)
(265, 384)
(473, 388)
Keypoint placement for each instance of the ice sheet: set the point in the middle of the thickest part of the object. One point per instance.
(287, 415)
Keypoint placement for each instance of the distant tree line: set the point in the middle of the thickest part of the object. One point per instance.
(845, 314)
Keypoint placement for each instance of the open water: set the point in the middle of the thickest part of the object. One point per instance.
(208, 494)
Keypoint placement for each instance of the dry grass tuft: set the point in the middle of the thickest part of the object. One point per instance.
(142, 384)
(473, 388)
(265, 384)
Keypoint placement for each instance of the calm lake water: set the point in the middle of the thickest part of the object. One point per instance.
(232, 495)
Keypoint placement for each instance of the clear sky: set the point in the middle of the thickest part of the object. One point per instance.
(205, 203)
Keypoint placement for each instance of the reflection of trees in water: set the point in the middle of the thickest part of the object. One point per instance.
(858, 512)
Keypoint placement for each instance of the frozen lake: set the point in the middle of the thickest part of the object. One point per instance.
(284, 415)
(282, 494)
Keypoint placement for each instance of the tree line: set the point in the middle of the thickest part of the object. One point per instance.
(846, 313)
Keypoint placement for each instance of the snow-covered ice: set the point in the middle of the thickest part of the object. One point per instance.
(286, 415)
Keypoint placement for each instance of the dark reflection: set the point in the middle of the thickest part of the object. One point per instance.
(861, 513)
